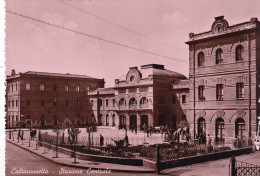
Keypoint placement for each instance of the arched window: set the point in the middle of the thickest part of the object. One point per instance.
(219, 58)
(107, 120)
(219, 130)
(201, 59)
(122, 102)
(240, 128)
(113, 120)
(201, 126)
(132, 102)
(100, 102)
(143, 101)
(239, 53)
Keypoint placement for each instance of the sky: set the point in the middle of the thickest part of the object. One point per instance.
(157, 26)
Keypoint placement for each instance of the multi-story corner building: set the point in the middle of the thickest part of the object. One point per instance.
(142, 98)
(46, 99)
(224, 80)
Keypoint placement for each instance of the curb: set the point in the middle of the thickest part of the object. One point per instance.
(79, 166)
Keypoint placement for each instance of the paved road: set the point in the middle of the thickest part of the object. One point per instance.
(17, 158)
(213, 168)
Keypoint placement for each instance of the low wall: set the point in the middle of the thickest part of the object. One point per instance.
(205, 157)
(97, 158)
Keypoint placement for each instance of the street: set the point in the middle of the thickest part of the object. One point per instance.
(213, 168)
(17, 158)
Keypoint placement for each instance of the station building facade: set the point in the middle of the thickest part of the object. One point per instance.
(46, 99)
(142, 98)
(224, 80)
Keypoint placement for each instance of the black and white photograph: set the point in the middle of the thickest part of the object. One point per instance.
(130, 87)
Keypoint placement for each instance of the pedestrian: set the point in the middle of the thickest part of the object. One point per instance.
(101, 140)
(22, 136)
(151, 128)
(147, 131)
(31, 135)
(19, 135)
(210, 140)
(132, 128)
(126, 140)
(135, 130)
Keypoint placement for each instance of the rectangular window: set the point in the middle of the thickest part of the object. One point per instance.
(55, 102)
(77, 103)
(114, 102)
(16, 103)
(173, 99)
(12, 87)
(201, 93)
(42, 87)
(106, 102)
(27, 86)
(219, 92)
(77, 88)
(9, 103)
(66, 88)
(183, 99)
(9, 88)
(12, 103)
(67, 102)
(16, 87)
(42, 102)
(240, 90)
(28, 102)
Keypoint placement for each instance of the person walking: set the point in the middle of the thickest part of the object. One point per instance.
(135, 130)
(126, 140)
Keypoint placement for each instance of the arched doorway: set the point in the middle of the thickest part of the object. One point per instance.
(219, 130)
(240, 128)
(107, 120)
(133, 121)
(122, 122)
(42, 120)
(201, 126)
(144, 121)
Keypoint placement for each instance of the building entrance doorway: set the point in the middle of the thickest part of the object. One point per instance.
(122, 122)
(133, 121)
(144, 121)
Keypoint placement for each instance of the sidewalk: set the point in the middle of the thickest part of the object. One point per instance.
(68, 161)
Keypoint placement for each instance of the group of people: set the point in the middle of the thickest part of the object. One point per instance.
(73, 135)
(119, 143)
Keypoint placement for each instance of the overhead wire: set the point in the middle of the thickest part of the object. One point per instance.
(117, 25)
(92, 36)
